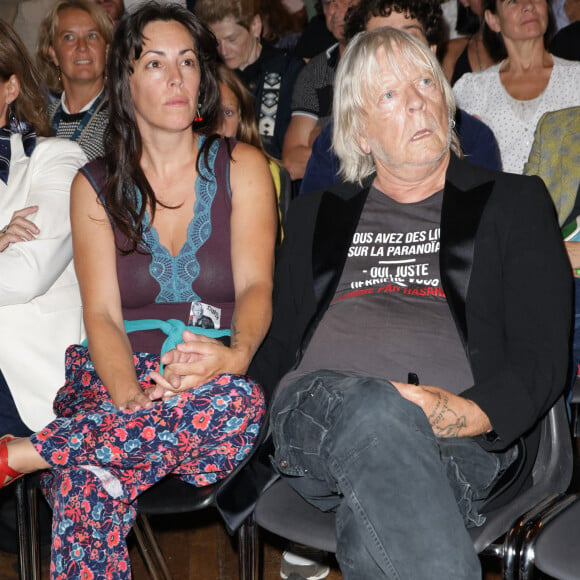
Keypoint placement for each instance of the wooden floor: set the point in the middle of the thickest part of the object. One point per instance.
(197, 548)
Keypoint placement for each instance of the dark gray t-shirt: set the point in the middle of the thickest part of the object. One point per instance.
(389, 315)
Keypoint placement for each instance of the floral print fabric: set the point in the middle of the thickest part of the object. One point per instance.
(103, 458)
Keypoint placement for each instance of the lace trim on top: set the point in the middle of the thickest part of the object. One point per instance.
(176, 274)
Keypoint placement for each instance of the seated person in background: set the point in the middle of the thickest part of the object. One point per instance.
(312, 96)
(566, 42)
(466, 53)
(238, 120)
(409, 373)
(555, 157)
(511, 96)
(40, 303)
(114, 8)
(169, 218)
(72, 52)
(283, 22)
(316, 37)
(268, 73)
(424, 20)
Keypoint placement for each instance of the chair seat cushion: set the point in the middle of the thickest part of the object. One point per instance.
(282, 511)
(173, 496)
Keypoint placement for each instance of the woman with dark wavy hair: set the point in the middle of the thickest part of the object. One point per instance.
(173, 219)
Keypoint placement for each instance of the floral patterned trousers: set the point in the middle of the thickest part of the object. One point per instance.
(103, 459)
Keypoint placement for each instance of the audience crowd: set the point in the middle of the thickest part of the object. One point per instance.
(246, 112)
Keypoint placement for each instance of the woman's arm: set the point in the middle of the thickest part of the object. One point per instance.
(253, 227)
(95, 263)
(253, 238)
(31, 266)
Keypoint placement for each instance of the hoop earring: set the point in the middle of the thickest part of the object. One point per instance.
(198, 118)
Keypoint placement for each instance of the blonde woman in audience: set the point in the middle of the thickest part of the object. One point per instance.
(510, 97)
(40, 305)
(72, 51)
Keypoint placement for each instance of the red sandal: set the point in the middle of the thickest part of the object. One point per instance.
(5, 469)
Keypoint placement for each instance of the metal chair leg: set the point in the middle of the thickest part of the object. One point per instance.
(28, 534)
(149, 549)
(249, 550)
(32, 493)
(532, 531)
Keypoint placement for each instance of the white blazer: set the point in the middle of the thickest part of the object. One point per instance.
(40, 304)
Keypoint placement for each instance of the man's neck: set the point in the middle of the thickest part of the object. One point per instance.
(411, 184)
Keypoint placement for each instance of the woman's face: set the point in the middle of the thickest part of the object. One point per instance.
(230, 109)
(519, 20)
(78, 48)
(238, 46)
(165, 82)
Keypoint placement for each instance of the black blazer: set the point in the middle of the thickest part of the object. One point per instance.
(504, 271)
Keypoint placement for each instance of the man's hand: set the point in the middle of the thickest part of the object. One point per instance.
(195, 361)
(450, 415)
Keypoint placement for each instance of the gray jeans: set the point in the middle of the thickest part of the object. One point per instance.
(402, 497)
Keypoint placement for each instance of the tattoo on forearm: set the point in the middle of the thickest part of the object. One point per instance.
(234, 338)
(444, 420)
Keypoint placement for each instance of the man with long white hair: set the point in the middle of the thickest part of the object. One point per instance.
(411, 359)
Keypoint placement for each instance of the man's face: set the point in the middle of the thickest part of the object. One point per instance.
(407, 123)
(334, 13)
(572, 10)
(115, 8)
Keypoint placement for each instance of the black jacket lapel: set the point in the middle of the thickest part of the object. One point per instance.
(460, 217)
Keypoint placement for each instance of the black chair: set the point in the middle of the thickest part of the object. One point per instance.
(169, 496)
(550, 540)
(283, 512)
(575, 405)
